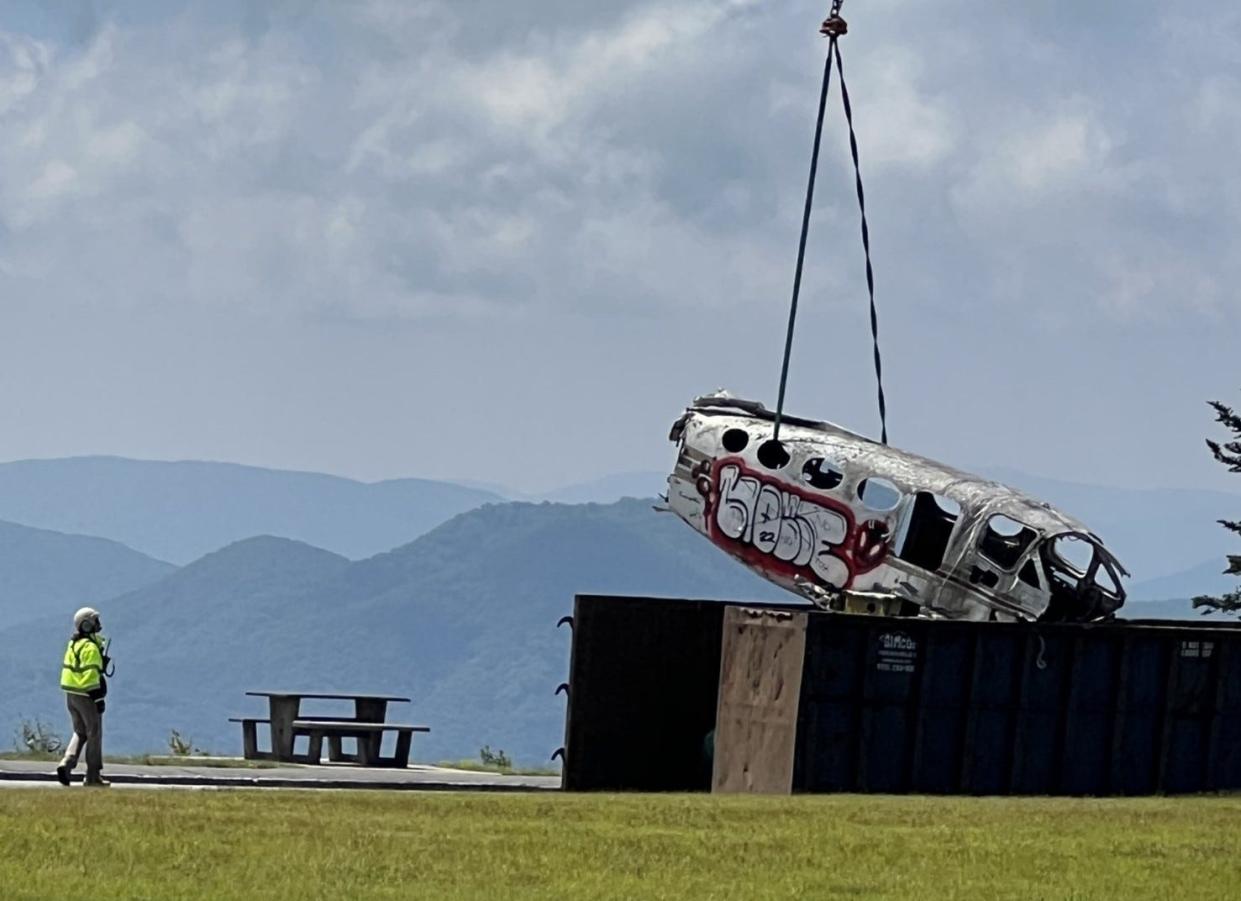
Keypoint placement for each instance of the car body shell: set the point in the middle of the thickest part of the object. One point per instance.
(831, 515)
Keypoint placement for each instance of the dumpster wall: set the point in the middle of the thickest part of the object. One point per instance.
(642, 694)
(989, 708)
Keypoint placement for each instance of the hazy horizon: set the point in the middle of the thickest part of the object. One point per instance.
(512, 492)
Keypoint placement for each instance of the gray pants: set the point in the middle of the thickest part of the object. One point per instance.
(88, 731)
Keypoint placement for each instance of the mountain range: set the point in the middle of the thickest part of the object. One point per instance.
(178, 511)
(461, 618)
(43, 571)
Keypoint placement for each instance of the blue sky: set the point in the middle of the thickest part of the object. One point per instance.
(509, 242)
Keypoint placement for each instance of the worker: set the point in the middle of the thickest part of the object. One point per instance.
(84, 683)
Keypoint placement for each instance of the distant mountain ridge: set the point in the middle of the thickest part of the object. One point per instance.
(1206, 578)
(178, 511)
(42, 571)
(610, 488)
(1173, 609)
(605, 489)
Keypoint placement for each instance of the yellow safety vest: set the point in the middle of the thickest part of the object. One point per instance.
(82, 671)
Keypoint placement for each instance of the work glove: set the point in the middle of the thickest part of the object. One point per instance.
(100, 705)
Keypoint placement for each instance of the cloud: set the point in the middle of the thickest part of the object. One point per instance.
(24, 61)
(436, 159)
(1040, 157)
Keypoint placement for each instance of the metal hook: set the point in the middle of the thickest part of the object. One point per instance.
(834, 26)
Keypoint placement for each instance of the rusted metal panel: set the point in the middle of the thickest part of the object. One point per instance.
(854, 525)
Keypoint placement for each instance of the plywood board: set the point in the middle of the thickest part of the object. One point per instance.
(762, 654)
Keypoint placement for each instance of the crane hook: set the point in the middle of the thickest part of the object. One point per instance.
(834, 26)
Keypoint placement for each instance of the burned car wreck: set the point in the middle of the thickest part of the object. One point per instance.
(854, 525)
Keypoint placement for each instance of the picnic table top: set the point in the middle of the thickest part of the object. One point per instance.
(345, 725)
(329, 696)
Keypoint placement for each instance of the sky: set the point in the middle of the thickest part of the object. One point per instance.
(509, 242)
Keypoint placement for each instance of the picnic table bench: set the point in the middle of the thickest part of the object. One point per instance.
(367, 735)
(366, 728)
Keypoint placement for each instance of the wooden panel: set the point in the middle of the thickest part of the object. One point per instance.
(761, 660)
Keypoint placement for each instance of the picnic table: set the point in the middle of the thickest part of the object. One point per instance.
(366, 727)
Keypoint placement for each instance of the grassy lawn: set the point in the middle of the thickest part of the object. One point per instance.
(346, 845)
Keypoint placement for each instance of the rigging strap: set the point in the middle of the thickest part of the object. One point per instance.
(801, 247)
(833, 28)
(870, 272)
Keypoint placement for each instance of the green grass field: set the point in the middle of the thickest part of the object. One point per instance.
(138, 844)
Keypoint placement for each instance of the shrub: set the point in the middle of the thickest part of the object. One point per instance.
(181, 746)
(38, 738)
(497, 759)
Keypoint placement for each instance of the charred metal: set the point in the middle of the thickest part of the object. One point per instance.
(851, 524)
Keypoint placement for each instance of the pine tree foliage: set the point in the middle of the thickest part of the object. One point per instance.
(1229, 454)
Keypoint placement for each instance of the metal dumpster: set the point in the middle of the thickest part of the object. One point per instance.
(910, 705)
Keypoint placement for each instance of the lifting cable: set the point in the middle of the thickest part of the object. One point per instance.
(833, 28)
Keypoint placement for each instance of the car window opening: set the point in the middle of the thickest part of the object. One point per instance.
(735, 440)
(929, 530)
(1004, 540)
(1074, 552)
(878, 494)
(822, 474)
(1106, 580)
(772, 454)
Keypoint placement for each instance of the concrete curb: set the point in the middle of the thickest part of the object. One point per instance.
(282, 783)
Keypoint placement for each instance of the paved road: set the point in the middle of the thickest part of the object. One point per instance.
(416, 778)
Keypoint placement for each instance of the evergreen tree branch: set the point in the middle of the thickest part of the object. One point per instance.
(1225, 416)
(1226, 454)
(1229, 603)
(1229, 454)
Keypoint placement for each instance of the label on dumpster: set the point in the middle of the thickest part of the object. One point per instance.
(1197, 649)
(897, 652)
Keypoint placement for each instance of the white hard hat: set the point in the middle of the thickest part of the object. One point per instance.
(86, 613)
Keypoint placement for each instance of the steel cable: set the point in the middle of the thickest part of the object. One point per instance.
(834, 27)
(870, 272)
(801, 247)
